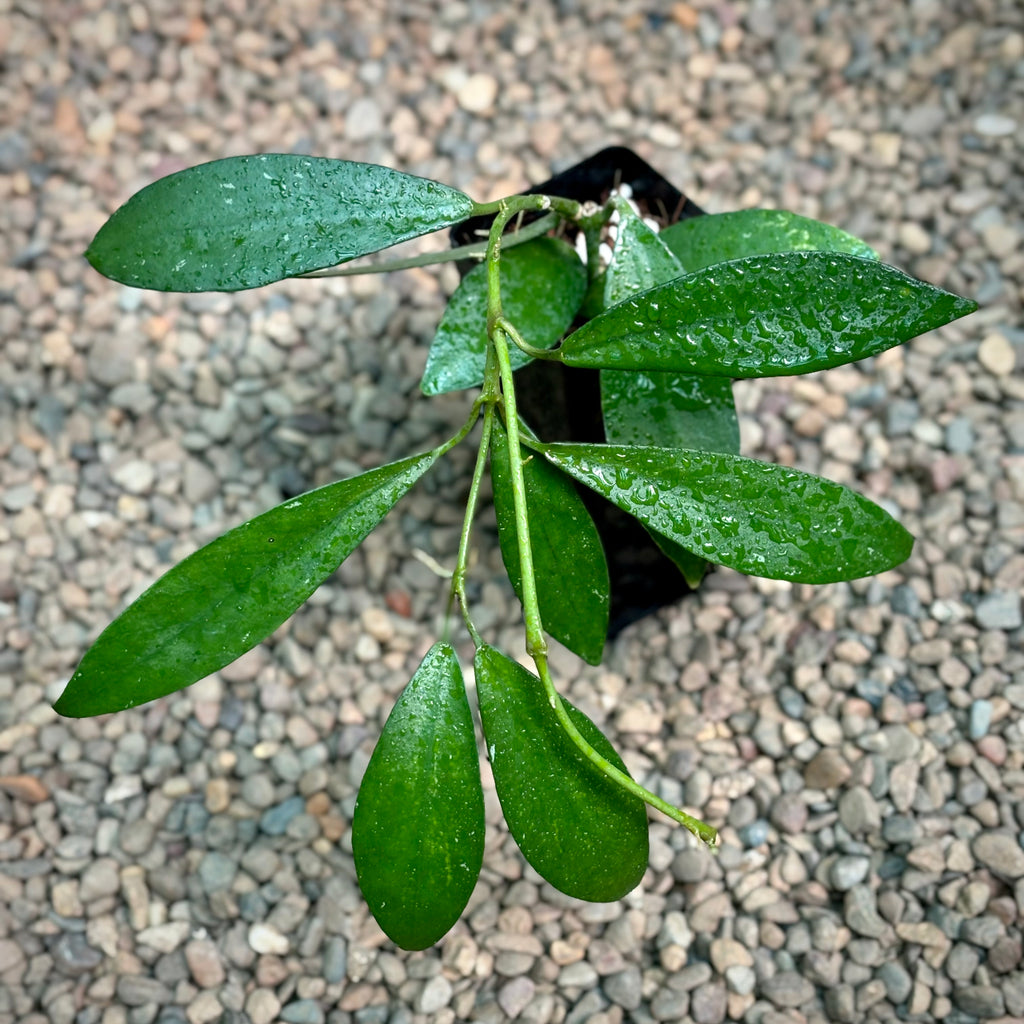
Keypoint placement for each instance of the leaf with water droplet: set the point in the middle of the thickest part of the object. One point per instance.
(579, 830)
(764, 317)
(669, 410)
(542, 286)
(700, 242)
(662, 408)
(246, 221)
(569, 561)
(418, 825)
(756, 517)
(229, 595)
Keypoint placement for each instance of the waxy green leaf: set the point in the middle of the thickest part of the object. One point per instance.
(756, 517)
(229, 595)
(569, 560)
(765, 316)
(246, 221)
(670, 410)
(542, 286)
(700, 242)
(418, 827)
(581, 832)
(640, 259)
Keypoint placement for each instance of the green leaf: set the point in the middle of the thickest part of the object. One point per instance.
(229, 595)
(701, 242)
(569, 562)
(640, 259)
(765, 316)
(670, 410)
(418, 827)
(542, 287)
(580, 831)
(692, 566)
(752, 516)
(245, 221)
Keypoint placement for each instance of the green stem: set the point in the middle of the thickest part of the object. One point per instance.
(700, 829)
(427, 259)
(536, 644)
(458, 589)
(531, 350)
(499, 330)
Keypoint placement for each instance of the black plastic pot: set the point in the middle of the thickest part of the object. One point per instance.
(564, 404)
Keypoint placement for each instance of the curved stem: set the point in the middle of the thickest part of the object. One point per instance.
(536, 644)
(472, 250)
(509, 328)
(500, 330)
(706, 833)
(458, 588)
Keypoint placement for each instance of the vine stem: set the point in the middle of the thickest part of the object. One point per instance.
(458, 589)
(536, 644)
(473, 250)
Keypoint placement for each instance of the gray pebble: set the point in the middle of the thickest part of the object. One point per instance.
(708, 1003)
(897, 981)
(1001, 852)
(984, 1001)
(754, 834)
(962, 962)
(73, 955)
(303, 1011)
(999, 610)
(137, 990)
(258, 791)
(840, 1002)
(861, 912)
(217, 871)
(669, 1005)
(275, 820)
(624, 988)
(787, 989)
(858, 811)
(984, 931)
(846, 872)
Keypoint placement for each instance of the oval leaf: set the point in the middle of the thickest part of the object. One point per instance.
(755, 517)
(418, 827)
(568, 558)
(765, 316)
(700, 242)
(542, 287)
(640, 259)
(245, 221)
(578, 829)
(229, 595)
(671, 410)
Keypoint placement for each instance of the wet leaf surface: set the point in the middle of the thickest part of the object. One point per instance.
(418, 827)
(246, 221)
(569, 560)
(229, 595)
(765, 316)
(700, 242)
(542, 286)
(578, 829)
(756, 517)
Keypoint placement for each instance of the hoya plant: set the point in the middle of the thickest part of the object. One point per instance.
(670, 318)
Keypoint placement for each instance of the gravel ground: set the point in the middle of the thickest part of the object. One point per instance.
(860, 746)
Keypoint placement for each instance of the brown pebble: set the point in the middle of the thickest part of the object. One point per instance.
(25, 787)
